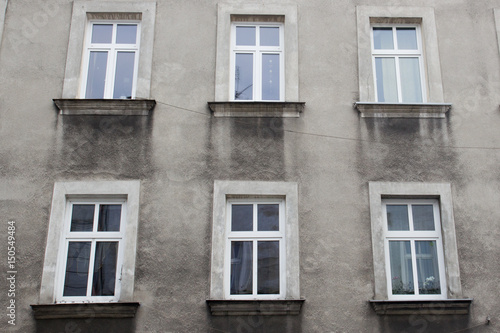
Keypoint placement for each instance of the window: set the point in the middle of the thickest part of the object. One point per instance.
(255, 249)
(414, 250)
(257, 61)
(397, 63)
(111, 59)
(415, 257)
(91, 246)
(255, 245)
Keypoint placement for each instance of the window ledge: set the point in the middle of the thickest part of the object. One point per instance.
(122, 107)
(402, 110)
(257, 109)
(85, 310)
(435, 307)
(255, 307)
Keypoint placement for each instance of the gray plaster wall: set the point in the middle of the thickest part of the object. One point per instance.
(180, 150)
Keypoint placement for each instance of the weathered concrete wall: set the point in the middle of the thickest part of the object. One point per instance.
(180, 150)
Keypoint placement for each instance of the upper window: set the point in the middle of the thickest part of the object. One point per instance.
(414, 249)
(111, 59)
(255, 249)
(397, 64)
(257, 62)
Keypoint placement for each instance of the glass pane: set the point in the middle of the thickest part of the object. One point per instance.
(383, 39)
(401, 268)
(423, 217)
(104, 278)
(241, 268)
(96, 76)
(407, 38)
(397, 217)
(385, 70)
(427, 267)
(126, 33)
(270, 36)
(82, 218)
(245, 35)
(124, 76)
(411, 87)
(241, 217)
(109, 218)
(102, 33)
(243, 76)
(268, 218)
(270, 77)
(268, 267)
(77, 269)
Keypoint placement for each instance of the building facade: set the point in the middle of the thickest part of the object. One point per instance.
(250, 166)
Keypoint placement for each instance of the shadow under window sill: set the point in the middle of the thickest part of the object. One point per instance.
(255, 307)
(257, 109)
(410, 307)
(402, 110)
(85, 310)
(107, 107)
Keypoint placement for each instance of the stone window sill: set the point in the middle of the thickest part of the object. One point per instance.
(255, 307)
(85, 310)
(435, 307)
(402, 110)
(257, 109)
(105, 107)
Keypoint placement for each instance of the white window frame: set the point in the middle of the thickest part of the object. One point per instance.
(397, 54)
(367, 16)
(113, 48)
(290, 61)
(257, 51)
(413, 236)
(256, 236)
(225, 191)
(83, 11)
(66, 192)
(378, 192)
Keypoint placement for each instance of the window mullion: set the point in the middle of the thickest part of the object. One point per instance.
(254, 268)
(91, 267)
(414, 266)
(398, 79)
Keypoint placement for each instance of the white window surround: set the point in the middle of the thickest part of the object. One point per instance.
(54, 256)
(496, 12)
(224, 190)
(85, 10)
(434, 107)
(223, 69)
(441, 191)
(3, 10)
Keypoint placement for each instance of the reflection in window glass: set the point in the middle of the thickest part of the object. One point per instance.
(401, 268)
(407, 38)
(109, 217)
(385, 69)
(397, 217)
(245, 35)
(423, 217)
(269, 36)
(96, 77)
(268, 217)
(411, 87)
(427, 267)
(124, 75)
(241, 217)
(102, 33)
(77, 269)
(268, 267)
(104, 278)
(82, 218)
(243, 76)
(126, 33)
(241, 268)
(383, 39)
(270, 77)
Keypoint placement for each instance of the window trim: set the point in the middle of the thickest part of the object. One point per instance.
(226, 14)
(441, 191)
(65, 190)
(83, 11)
(231, 189)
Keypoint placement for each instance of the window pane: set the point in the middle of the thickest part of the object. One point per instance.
(77, 269)
(385, 70)
(407, 38)
(269, 36)
(270, 77)
(411, 87)
(243, 76)
(268, 217)
(124, 75)
(397, 217)
(401, 268)
(241, 217)
(241, 268)
(245, 35)
(427, 267)
(268, 267)
(383, 39)
(423, 217)
(102, 33)
(126, 33)
(82, 218)
(104, 278)
(97, 74)
(109, 218)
